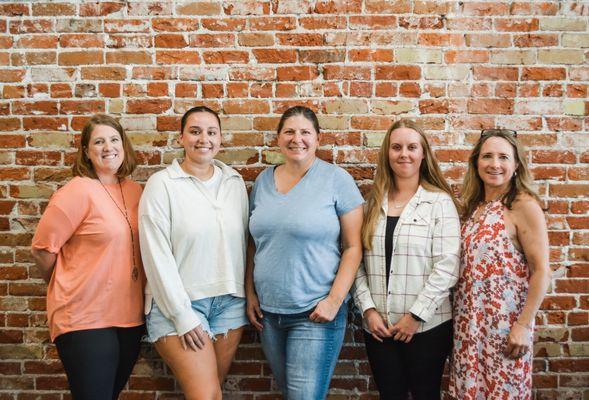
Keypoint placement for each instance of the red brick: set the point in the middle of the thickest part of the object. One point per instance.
(14, 10)
(398, 72)
(340, 72)
(55, 9)
(246, 107)
(373, 22)
(543, 74)
(225, 57)
(237, 89)
(272, 23)
(175, 24)
(224, 24)
(466, 56)
(300, 39)
(441, 39)
(170, 40)
(151, 106)
(275, 56)
(82, 106)
(212, 40)
(296, 73)
(495, 73)
(569, 190)
(490, 106)
(177, 57)
(76, 58)
(80, 40)
(536, 40)
(62, 90)
(315, 22)
(99, 9)
(214, 90)
(359, 55)
(517, 24)
(36, 25)
(128, 57)
(387, 7)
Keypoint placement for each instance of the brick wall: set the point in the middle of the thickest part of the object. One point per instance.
(458, 66)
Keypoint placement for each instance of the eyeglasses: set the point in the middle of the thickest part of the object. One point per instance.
(492, 132)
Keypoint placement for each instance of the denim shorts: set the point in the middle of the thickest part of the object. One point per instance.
(218, 315)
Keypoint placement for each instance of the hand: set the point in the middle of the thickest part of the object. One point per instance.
(405, 328)
(376, 324)
(518, 341)
(325, 310)
(195, 339)
(253, 311)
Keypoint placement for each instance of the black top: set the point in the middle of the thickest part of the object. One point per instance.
(388, 243)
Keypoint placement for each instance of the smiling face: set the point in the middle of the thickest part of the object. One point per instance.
(201, 138)
(496, 163)
(105, 150)
(298, 140)
(405, 153)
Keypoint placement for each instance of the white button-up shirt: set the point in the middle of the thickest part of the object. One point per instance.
(424, 264)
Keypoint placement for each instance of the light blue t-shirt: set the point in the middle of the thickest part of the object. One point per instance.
(297, 236)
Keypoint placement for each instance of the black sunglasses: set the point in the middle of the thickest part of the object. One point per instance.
(492, 132)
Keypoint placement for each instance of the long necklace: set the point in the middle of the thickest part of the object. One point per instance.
(135, 272)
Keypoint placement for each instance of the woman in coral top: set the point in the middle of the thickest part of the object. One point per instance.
(86, 247)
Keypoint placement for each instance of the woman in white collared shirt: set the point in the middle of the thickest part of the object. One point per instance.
(411, 238)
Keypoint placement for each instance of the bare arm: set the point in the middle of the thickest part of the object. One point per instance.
(254, 312)
(44, 262)
(533, 238)
(351, 226)
(532, 235)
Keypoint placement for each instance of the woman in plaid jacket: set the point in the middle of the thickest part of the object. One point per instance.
(411, 238)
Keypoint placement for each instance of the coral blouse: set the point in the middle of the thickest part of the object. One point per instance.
(97, 281)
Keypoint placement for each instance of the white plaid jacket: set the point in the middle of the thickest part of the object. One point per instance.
(424, 265)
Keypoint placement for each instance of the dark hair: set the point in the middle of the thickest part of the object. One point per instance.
(194, 110)
(83, 166)
(299, 110)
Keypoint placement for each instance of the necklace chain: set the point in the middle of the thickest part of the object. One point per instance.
(398, 206)
(135, 272)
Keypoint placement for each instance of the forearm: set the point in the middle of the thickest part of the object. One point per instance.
(44, 262)
(348, 267)
(538, 285)
(249, 268)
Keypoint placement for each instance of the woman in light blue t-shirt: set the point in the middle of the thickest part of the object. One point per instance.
(305, 221)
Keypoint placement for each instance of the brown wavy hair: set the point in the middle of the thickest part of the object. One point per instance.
(430, 177)
(473, 189)
(83, 166)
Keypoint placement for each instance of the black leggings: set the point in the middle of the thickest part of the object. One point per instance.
(98, 362)
(417, 367)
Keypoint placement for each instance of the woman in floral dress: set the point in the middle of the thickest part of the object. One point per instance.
(504, 274)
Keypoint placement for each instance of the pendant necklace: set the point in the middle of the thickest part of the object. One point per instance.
(398, 206)
(135, 272)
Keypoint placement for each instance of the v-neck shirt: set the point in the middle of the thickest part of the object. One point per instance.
(297, 236)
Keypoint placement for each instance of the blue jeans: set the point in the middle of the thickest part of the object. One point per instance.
(302, 354)
(218, 315)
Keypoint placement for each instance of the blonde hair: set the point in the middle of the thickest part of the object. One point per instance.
(430, 177)
(473, 189)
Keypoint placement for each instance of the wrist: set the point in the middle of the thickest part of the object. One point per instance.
(335, 300)
(524, 325)
(415, 317)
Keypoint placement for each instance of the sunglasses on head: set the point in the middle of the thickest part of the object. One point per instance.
(491, 132)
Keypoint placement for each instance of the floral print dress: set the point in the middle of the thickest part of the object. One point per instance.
(488, 299)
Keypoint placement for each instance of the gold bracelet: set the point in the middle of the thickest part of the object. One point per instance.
(528, 327)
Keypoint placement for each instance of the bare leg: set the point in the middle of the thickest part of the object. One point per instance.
(196, 371)
(225, 348)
